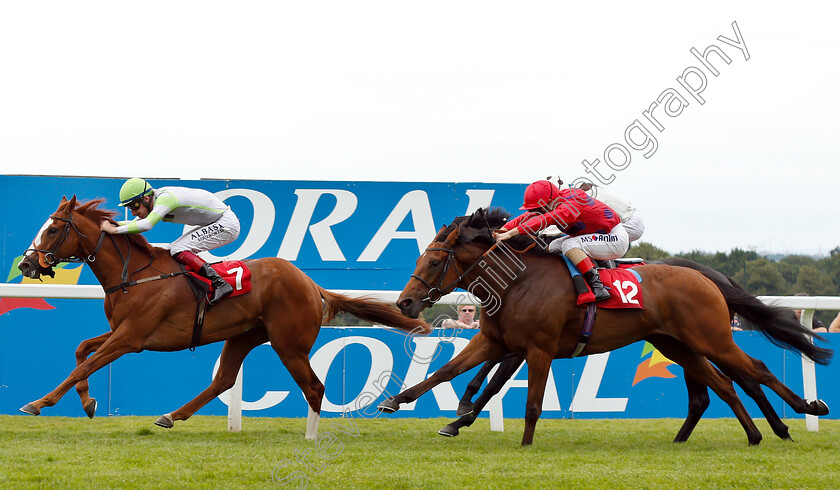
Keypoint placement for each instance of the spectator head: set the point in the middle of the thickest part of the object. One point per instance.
(466, 313)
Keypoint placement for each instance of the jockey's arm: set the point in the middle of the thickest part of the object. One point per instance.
(501, 236)
(164, 204)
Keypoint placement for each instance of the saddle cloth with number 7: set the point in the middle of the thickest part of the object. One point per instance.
(235, 272)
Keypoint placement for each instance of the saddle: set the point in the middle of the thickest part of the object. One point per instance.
(621, 281)
(234, 272)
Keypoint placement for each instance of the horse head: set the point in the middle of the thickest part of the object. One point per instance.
(57, 240)
(448, 261)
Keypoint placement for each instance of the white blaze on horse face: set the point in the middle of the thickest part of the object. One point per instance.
(36, 243)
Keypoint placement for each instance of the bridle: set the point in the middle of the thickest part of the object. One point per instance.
(436, 292)
(125, 282)
(49, 255)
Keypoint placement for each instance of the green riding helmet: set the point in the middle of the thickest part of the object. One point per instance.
(134, 189)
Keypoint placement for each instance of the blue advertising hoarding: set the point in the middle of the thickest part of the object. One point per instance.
(345, 235)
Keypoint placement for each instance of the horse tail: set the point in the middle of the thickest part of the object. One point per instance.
(776, 323)
(372, 310)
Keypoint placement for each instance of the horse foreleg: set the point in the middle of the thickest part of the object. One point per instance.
(465, 405)
(479, 349)
(698, 393)
(114, 347)
(507, 367)
(82, 387)
(233, 354)
(539, 364)
(698, 402)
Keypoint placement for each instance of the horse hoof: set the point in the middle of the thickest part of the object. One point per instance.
(388, 406)
(165, 421)
(449, 431)
(464, 409)
(30, 409)
(821, 408)
(90, 408)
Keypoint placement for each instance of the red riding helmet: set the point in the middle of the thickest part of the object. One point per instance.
(540, 193)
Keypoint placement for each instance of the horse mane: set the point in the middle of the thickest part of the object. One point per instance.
(484, 221)
(90, 209)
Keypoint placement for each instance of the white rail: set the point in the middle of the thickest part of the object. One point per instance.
(809, 304)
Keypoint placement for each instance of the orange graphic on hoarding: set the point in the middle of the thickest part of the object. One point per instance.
(656, 366)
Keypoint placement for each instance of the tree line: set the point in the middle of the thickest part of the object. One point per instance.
(788, 276)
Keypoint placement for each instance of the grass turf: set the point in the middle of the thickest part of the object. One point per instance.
(130, 452)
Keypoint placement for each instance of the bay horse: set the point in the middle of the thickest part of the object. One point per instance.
(285, 307)
(686, 317)
(772, 322)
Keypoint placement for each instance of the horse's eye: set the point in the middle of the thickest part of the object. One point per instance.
(52, 231)
(435, 262)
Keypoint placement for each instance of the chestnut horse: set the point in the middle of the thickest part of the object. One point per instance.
(535, 316)
(284, 307)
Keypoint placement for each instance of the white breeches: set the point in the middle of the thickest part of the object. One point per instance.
(600, 246)
(634, 226)
(203, 238)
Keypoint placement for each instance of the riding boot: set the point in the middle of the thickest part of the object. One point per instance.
(594, 281)
(220, 287)
(196, 264)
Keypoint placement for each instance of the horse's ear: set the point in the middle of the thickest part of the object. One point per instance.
(63, 200)
(453, 237)
(73, 202)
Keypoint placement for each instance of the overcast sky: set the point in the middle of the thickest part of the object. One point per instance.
(445, 91)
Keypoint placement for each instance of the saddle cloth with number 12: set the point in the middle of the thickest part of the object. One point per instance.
(624, 286)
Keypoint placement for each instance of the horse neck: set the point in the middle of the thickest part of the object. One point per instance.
(110, 259)
(500, 269)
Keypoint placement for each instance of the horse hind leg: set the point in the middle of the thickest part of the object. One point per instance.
(313, 390)
(733, 359)
(703, 372)
(233, 354)
(753, 389)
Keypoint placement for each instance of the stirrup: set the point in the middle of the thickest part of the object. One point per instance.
(220, 289)
(601, 293)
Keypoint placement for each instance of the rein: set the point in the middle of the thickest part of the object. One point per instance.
(436, 292)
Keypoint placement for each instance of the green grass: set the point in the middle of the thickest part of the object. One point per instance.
(130, 452)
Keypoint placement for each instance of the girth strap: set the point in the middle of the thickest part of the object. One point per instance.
(200, 310)
(586, 329)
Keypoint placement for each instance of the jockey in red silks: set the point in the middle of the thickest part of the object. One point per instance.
(593, 230)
